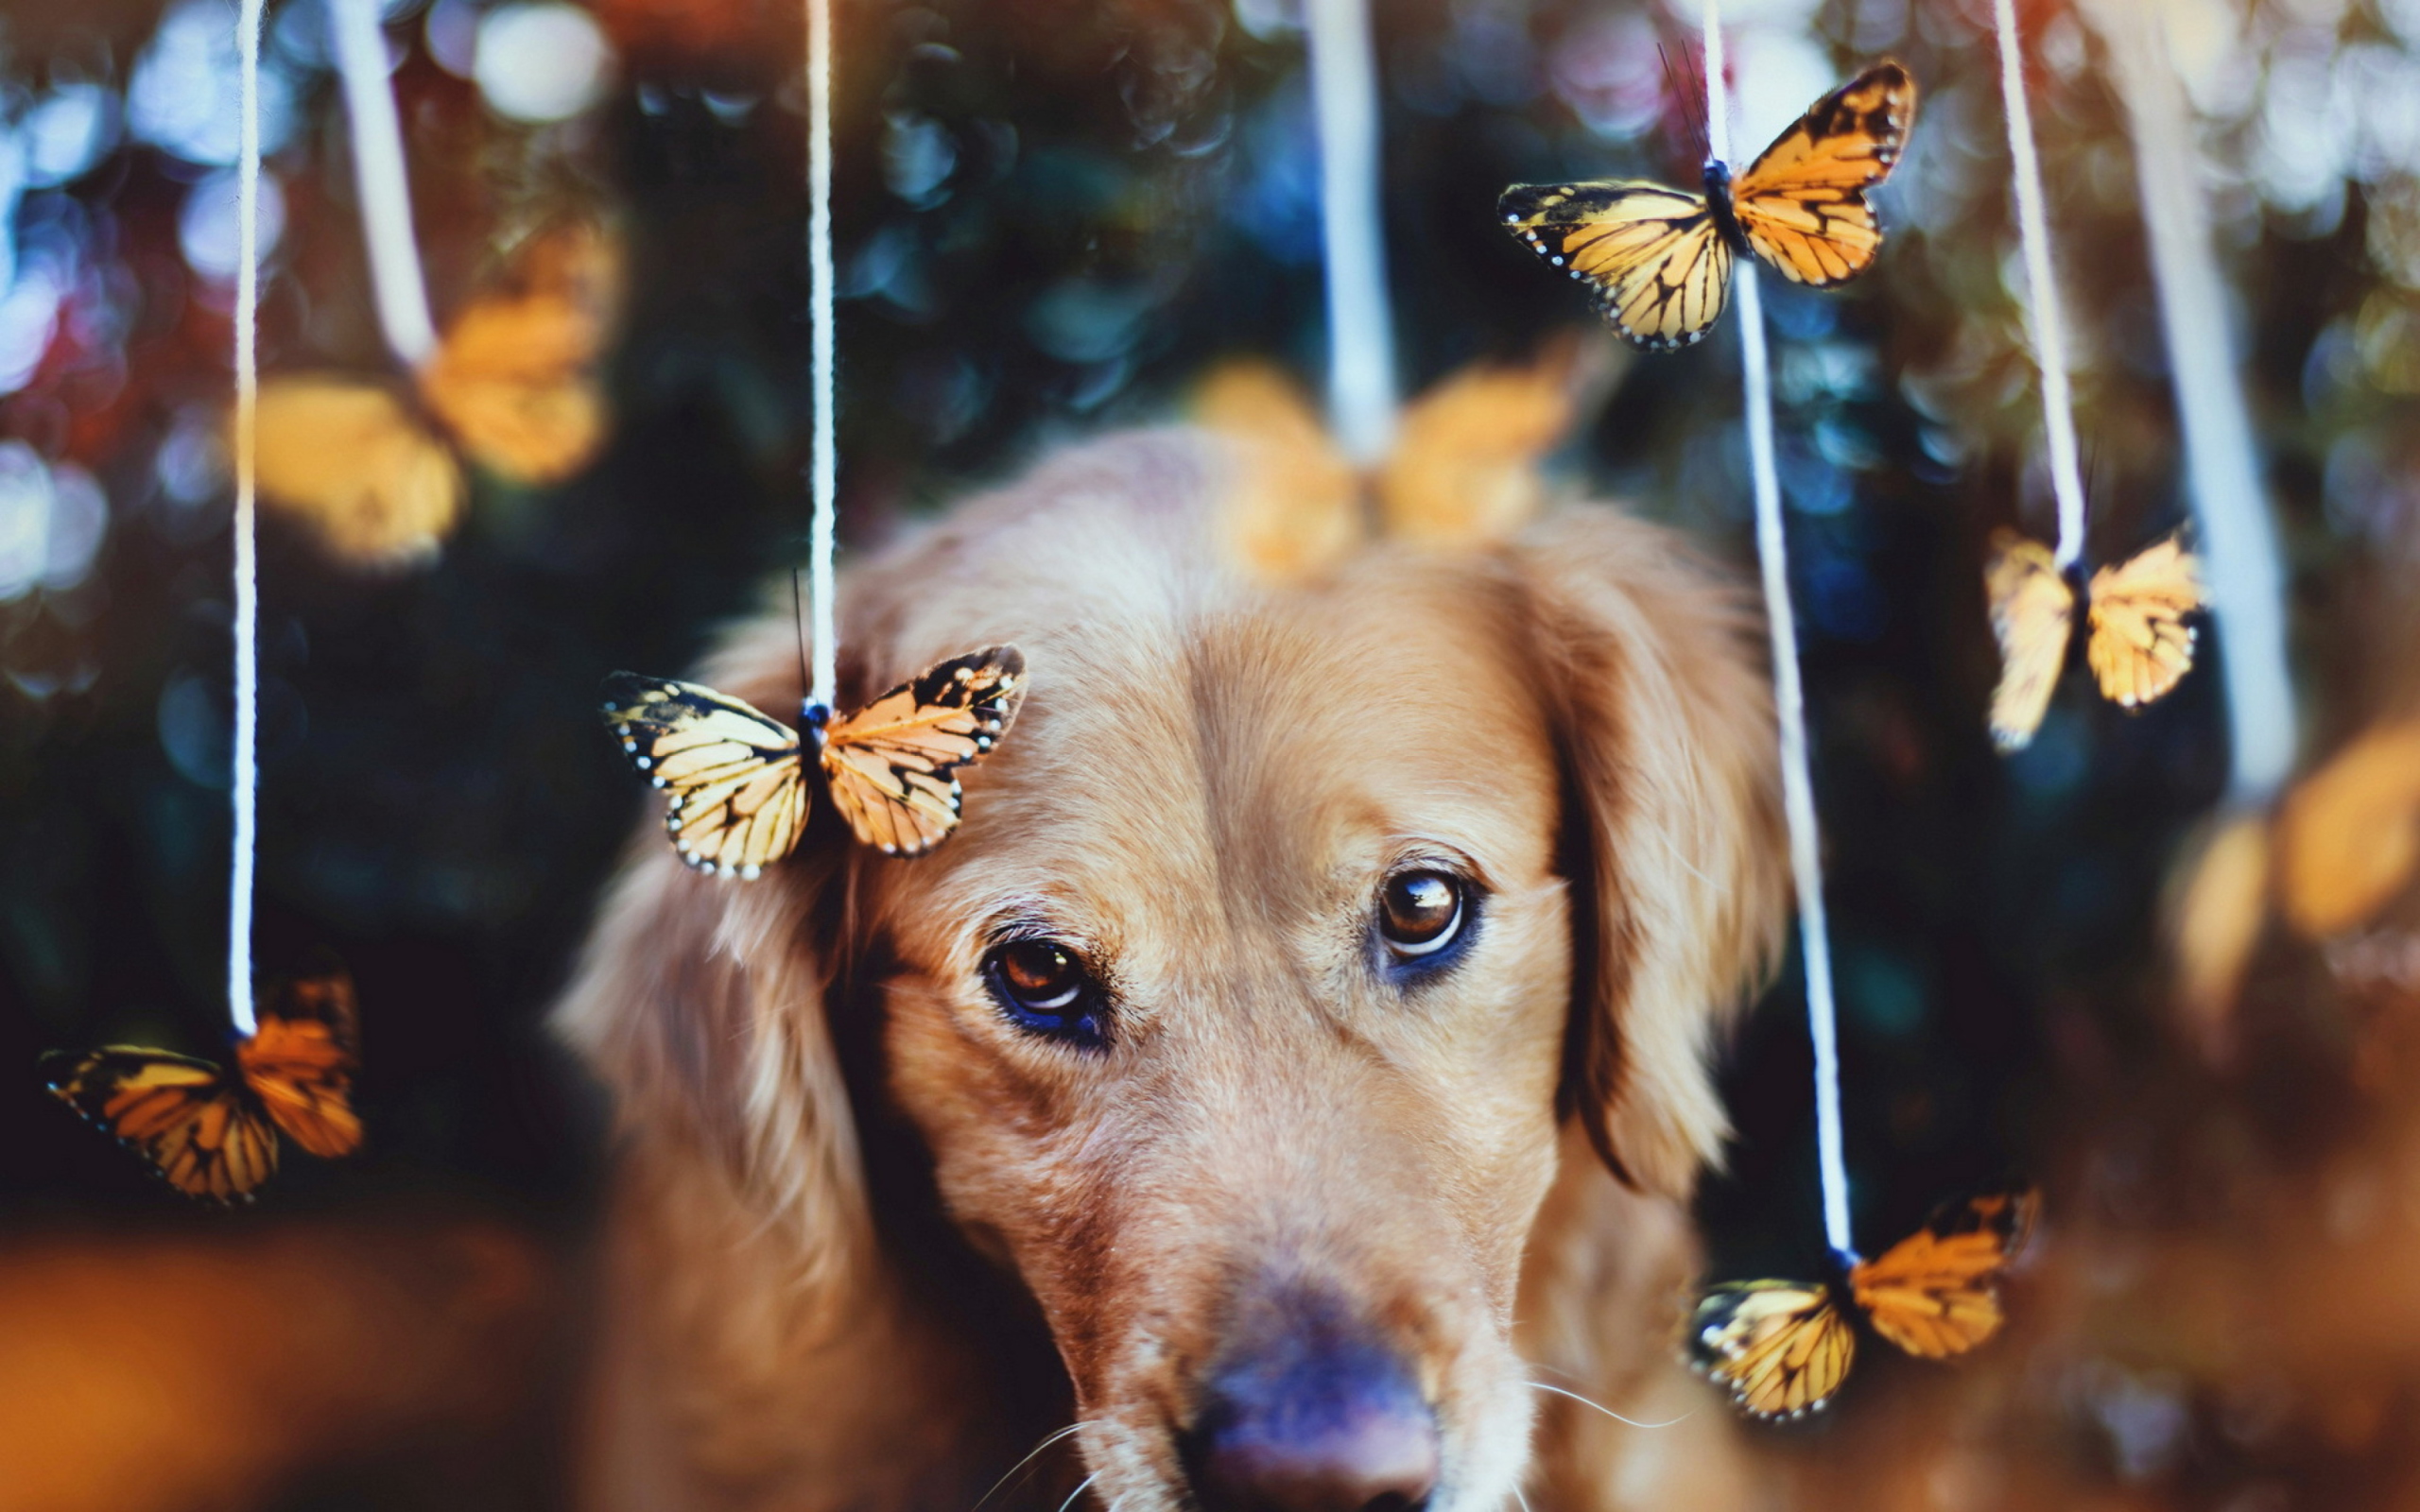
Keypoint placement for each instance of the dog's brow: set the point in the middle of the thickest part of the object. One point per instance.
(1034, 918)
(1404, 851)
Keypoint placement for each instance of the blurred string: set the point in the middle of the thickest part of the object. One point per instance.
(824, 475)
(1797, 785)
(378, 166)
(1360, 325)
(2238, 541)
(2043, 316)
(246, 774)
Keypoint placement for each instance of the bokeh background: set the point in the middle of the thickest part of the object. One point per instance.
(1053, 216)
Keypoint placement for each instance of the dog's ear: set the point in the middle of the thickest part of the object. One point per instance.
(1672, 833)
(699, 1001)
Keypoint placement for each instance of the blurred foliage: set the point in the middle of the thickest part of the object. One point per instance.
(1053, 216)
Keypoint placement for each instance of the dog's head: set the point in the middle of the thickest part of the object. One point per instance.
(1287, 929)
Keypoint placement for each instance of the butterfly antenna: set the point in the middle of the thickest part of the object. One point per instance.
(2091, 490)
(1689, 99)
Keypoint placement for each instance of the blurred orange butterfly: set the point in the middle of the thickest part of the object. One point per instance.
(513, 385)
(738, 775)
(1657, 261)
(213, 1133)
(1784, 1348)
(2139, 648)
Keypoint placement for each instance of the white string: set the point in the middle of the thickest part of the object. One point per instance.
(2043, 316)
(824, 476)
(395, 278)
(1797, 785)
(1360, 325)
(2238, 544)
(246, 772)
(1718, 111)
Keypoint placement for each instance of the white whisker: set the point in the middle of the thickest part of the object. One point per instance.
(1522, 1500)
(1037, 1448)
(1540, 1386)
(1078, 1491)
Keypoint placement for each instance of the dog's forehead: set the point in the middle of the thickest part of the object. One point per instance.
(1264, 746)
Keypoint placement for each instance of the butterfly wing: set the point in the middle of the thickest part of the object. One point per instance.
(2032, 612)
(516, 378)
(1652, 258)
(186, 1117)
(354, 461)
(735, 774)
(1936, 1293)
(1802, 205)
(302, 1059)
(1782, 1348)
(2140, 647)
(889, 765)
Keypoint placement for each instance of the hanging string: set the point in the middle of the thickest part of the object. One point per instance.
(246, 766)
(1360, 325)
(2043, 318)
(401, 292)
(2238, 544)
(824, 475)
(1797, 784)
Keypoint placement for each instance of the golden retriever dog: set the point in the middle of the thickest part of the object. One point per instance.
(1283, 1092)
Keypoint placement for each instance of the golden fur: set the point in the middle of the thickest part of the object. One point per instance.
(873, 1242)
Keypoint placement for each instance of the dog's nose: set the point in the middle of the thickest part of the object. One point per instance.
(1308, 1416)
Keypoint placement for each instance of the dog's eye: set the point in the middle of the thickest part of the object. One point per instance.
(1045, 988)
(1420, 913)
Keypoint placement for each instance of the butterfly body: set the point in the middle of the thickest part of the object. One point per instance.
(1718, 204)
(1657, 261)
(1784, 1348)
(738, 776)
(212, 1130)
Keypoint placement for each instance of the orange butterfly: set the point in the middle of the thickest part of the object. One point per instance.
(515, 386)
(211, 1133)
(2140, 647)
(738, 775)
(1657, 261)
(1784, 1348)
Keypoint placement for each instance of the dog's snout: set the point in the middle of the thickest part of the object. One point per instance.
(1303, 1415)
